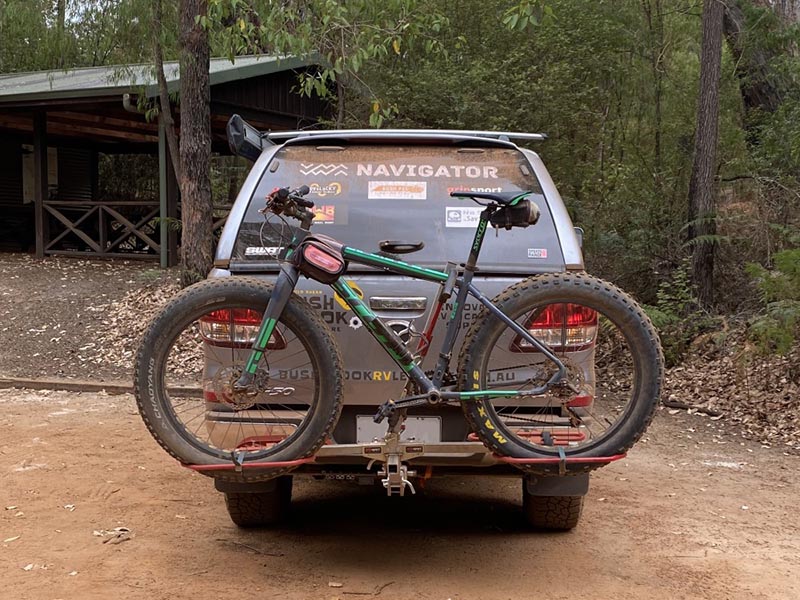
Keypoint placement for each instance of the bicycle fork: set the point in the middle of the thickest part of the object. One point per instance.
(284, 286)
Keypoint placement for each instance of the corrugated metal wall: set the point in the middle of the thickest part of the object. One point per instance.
(17, 229)
(275, 92)
(74, 174)
(10, 173)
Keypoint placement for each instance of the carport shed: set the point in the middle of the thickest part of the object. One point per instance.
(53, 125)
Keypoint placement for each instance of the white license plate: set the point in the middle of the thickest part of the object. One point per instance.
(418, 429)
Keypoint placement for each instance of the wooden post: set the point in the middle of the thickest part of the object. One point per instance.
(173, 198)
(163, 159)
(168, 199)
(40, 178)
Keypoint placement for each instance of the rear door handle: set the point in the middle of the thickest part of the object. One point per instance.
(415, 303)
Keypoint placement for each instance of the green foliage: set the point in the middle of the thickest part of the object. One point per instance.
(93, 33)
(777, 328)
(677, 315)
(527, 14)
(345, 36)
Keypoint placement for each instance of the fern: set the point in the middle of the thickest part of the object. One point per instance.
(777, 328)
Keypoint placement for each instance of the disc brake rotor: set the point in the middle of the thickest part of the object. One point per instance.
(223, 381)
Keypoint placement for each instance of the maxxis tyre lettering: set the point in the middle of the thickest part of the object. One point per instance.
(565, 287)
(154, 406)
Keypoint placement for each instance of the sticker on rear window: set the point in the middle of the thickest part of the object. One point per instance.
(537, 252)
(323, 169)
(327, 213)
(462, 216)
(467, 188)
(397, 190)
(271, 251)
(446, 171)
(333, 188)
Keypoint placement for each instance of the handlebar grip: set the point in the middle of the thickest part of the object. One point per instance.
(298, 194)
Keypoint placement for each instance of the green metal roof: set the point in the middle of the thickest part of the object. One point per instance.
(120, 79)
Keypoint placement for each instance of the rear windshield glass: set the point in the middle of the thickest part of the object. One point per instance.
(368, 193)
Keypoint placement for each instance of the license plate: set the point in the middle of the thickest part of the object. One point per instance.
(418, 429)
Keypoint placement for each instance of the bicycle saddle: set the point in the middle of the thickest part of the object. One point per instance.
(506, 198)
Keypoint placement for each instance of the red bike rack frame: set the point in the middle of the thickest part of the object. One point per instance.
(259, 465)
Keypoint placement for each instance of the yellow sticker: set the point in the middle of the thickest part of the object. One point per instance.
(353, 286)
(488, 424)
(476, 376)
(481, 411)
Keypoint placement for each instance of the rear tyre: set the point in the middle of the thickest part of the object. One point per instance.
(554, 513)
(197, 346)
(261, 509)
(613, 371)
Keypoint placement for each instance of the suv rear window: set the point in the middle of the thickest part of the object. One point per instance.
(368, 193)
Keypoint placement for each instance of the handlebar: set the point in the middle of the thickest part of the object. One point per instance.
(291, 203)
(283, 194)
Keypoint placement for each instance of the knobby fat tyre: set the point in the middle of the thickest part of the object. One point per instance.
(218, 294)
(589, 291)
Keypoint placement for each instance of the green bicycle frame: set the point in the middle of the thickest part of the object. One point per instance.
(392, 344)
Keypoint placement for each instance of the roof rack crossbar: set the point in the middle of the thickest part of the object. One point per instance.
(509, 135)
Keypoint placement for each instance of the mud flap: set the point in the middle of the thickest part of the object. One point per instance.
(573, 485)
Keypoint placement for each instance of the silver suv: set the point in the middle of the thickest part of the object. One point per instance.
(361, 182)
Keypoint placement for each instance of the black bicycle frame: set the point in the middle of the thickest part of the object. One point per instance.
(387, 338)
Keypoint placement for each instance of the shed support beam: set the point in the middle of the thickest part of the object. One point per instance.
(40, 178)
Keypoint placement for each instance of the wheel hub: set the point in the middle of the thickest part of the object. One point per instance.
(223, 383)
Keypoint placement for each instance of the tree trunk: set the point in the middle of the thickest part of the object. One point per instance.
(757, 85)
(61, 19)
(702, 225)
(654, 13)
(165, 110)
(195, 144)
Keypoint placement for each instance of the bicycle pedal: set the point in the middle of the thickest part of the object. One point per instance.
(385, 410)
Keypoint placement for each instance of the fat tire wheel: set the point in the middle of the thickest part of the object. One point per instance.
(261, 509)
(554, 513)
(218, 294)
(565, 288)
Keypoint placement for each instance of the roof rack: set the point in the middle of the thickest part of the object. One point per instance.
(500, 135)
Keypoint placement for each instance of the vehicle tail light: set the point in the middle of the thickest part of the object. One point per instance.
(562, 327)
(236, 328)
(581, 401)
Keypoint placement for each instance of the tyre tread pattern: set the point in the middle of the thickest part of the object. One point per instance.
(558, 283)
(555, 513)
(211, 289)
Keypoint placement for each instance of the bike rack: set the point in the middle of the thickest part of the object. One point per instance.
(562, 460)
(235, 466)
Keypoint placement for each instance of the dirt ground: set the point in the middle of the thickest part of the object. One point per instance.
(52, 312)
(692, 513)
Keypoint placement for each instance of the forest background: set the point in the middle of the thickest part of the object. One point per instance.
(616, 84)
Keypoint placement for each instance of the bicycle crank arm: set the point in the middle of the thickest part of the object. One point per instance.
(390, 406)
